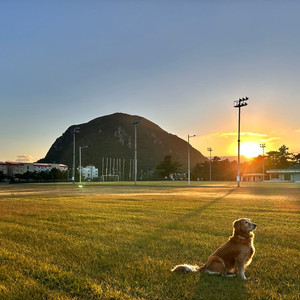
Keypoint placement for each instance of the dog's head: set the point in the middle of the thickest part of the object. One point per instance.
(243, 225)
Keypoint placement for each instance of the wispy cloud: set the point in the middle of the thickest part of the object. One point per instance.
(271, 139)
(229, 134)
(24, 158)
(297, 130)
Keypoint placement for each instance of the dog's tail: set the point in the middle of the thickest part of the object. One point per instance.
(187, 268)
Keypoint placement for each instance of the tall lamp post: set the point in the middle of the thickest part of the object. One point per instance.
(189, 166)
(263, 146)
(80, 167)
(137, 121)
(75, 130)
(209, 149)
(238, 104)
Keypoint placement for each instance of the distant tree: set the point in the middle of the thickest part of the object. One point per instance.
(221, 170)
(2, 176)
(280, 159)
(296, 158)
(253, 166)
(216, 159)
(27, 176)
(228, 170)
(198, 172)
(52, 175)
(55, 174)
(167, 167)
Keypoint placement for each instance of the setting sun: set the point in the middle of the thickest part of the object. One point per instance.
(250, 149)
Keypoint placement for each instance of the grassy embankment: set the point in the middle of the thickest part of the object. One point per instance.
(113, 241)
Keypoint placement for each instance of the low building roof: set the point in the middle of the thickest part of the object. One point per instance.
(42, 165)
(11, 163)
(284, 171)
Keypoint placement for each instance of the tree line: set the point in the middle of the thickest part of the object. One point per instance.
(221, 170)
(226, 170)
(52, 175)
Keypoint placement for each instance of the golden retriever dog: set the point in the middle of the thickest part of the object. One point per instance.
(232, 257)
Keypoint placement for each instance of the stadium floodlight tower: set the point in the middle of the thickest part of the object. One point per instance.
(238, 104)
(75, 130)
(137, 121)
(189, 165)
(209, 149)
(80, 166)
(263, 146)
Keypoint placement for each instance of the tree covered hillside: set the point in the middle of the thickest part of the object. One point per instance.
(111, 137)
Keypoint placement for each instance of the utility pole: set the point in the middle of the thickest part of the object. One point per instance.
(263, 146)
(75, 130)
(238, 104)
(137, 121)
(80, 166)
(189, 166)
(209, 149)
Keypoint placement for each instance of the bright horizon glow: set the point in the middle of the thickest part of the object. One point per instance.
(250, 149)
(224, 144)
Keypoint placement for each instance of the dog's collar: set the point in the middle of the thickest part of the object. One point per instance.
(241, 237)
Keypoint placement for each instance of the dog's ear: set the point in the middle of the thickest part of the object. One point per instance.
(237, 225)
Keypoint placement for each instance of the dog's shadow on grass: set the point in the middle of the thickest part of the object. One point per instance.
(159, 232)
(177, 223)
(201, 208)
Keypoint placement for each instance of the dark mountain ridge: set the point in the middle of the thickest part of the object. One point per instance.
(112, 136)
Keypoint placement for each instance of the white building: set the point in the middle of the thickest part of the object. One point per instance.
(292, 175)
(254, 177)
(41, 167)
(18, 168)
(3, 167)
(89, 172)
(44, 167)
(14, 168)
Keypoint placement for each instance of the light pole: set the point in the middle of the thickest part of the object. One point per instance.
(75, 130)
(263, 146)
(209, 149)
(189, 167)
(80, 167)
(238, 104)
(137, 121)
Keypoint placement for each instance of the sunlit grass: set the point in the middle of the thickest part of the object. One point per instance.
(119, 241)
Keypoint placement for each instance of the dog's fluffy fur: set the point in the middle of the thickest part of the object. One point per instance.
(232, 257)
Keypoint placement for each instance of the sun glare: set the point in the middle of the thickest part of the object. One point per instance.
(250, 149)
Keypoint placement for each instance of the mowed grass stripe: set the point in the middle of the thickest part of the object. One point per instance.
(113, 241)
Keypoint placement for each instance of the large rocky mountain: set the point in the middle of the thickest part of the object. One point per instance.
(111, 137)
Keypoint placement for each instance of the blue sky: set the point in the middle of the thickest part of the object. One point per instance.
(181, 64)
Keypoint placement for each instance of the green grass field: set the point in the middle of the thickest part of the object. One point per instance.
(119, 241)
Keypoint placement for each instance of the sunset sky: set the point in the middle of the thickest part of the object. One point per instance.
(180, 64)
